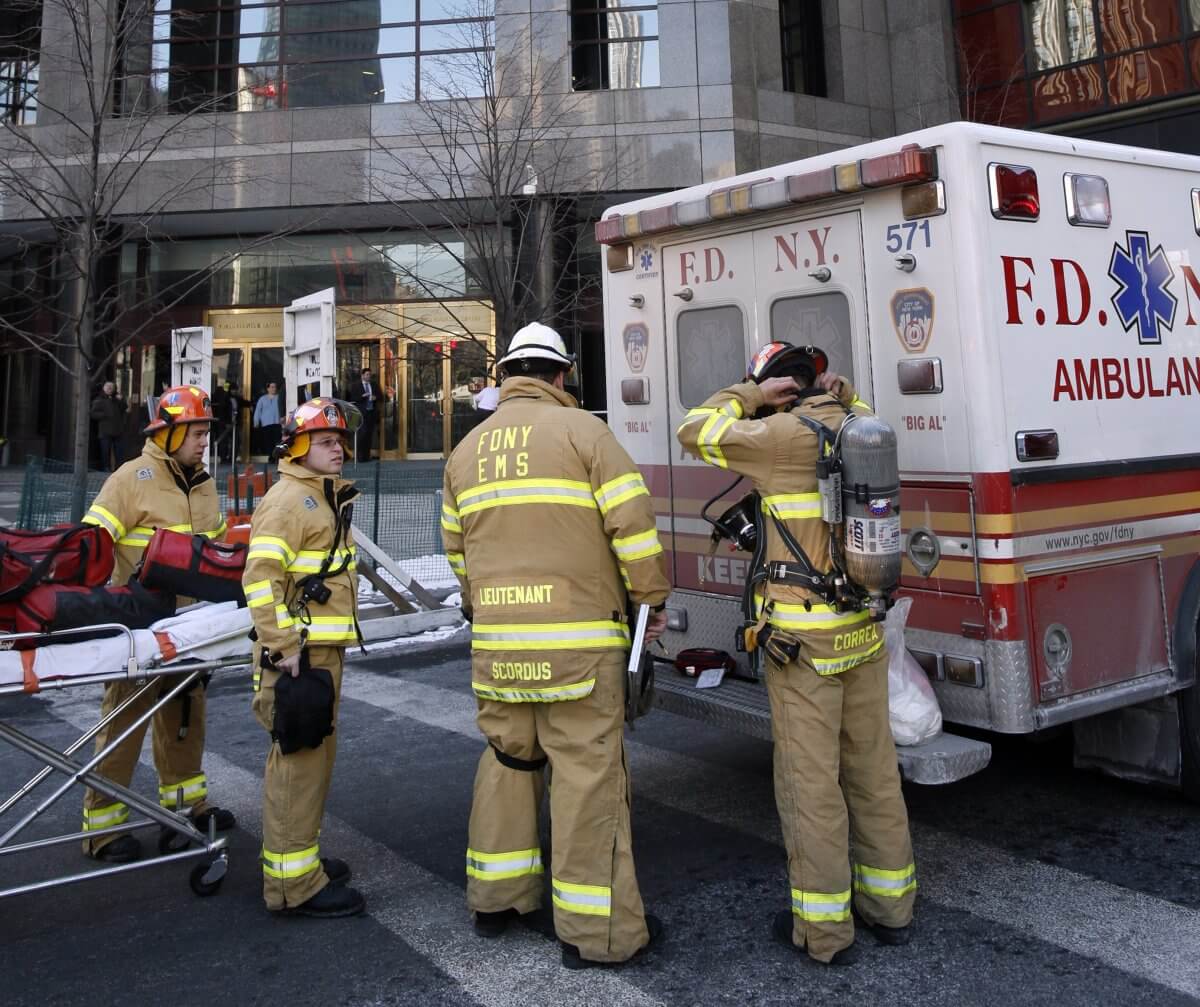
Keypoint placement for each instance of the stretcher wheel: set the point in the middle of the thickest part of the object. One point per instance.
(206, 879)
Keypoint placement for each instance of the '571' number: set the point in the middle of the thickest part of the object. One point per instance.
(899, 242)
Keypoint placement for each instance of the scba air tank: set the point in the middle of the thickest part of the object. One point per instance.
(871, 505)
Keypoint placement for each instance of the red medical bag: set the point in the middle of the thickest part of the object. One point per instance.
(194, 566)
(80, 555)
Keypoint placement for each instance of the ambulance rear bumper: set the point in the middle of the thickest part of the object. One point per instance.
(743, 706)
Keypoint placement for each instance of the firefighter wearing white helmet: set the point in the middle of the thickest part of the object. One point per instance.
(549, 527)
(301, 589)
(836, 780)
(166, 486)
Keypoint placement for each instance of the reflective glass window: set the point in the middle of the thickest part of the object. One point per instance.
(613, 45)
(711, 345)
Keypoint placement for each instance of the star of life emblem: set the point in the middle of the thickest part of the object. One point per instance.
(1143, 301)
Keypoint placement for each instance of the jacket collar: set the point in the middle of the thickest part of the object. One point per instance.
(190, 480)
(314, 480)
(533, 388)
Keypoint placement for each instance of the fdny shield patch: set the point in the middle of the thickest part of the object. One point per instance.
(636, 338)
(912, 316)
(310, 503)
(144, 474)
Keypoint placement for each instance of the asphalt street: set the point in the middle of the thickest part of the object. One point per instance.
(1039, 884)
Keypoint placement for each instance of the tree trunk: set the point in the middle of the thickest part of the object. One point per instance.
(83, 311)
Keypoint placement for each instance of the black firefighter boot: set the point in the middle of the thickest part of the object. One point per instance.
(331, 902)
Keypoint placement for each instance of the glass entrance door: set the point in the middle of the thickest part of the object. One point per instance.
(424, 394)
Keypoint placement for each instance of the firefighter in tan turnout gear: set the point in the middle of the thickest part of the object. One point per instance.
(549, 525)
(301, 588)
(166, 486)
(836, 777)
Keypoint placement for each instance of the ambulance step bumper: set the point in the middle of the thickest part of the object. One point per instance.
(743, 706)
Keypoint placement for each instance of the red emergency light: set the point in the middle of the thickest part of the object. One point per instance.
(1014, 192)
(911, 164)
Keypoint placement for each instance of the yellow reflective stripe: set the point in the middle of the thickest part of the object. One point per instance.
(283, 618)
(458, 563)
(617, 491)
(888, 884)
(639, 546)
(550, 694)
(859, 402)
(103, 818)
(589, 900)
(194, 789)
(269, 547)
(106, 519)
(833, 665)
(790, 616)
(258, 594)
(625, 578)
(819, 906)
(549, 636)
(218, 531)
(137, 537)
(793, 505)
(332, 628)
(709, 438)
(501, 866)
(511, 492)
(291, 865)
(311, 560)
(183, 528)
(451, 519)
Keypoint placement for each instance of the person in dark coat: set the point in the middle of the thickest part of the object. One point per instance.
(108, 413)
(365, 394)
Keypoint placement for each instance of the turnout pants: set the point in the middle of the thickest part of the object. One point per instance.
(294, 790)
(597, 905)
(836, 779)
(178, 760)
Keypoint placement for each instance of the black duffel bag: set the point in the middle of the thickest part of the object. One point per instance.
(303, 708)
(56, 607)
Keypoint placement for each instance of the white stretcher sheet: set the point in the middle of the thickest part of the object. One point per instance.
(205, 632)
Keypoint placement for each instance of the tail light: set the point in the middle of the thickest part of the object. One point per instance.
(1014, 192)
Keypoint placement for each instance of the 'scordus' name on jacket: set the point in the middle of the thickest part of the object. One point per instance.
(525, 671)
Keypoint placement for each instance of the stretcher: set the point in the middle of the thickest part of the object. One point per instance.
(167, 660)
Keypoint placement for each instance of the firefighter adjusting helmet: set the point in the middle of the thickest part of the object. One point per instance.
(311, 418)
(779, 358)
(535, 341)
(177, 407)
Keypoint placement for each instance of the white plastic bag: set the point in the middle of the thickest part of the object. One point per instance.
(912, 706)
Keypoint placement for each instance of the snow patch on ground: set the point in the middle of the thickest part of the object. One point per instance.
(417, 640)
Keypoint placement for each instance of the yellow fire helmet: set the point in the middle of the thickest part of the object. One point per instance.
(312, 417)
(177, 407)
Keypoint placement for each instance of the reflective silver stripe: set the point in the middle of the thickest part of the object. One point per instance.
(889, 884)
(617, 491)
(501, 866)
(533, 493)
(554, 694)
(817, 906)
(567, 636)
(590, 900)
(102, 818)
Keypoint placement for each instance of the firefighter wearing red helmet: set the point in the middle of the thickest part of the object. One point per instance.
(301, 588)
(549, 527)
(836, 778)
(166, 486)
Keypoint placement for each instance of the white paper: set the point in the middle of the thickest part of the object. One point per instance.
(710, 678)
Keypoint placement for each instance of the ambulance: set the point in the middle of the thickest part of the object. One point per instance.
(1023, 309)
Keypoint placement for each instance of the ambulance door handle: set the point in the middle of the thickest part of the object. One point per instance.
(684, 293)
(821, 274)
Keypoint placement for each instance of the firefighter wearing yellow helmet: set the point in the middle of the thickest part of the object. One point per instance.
(836, 781)
(301, 588)
(166, 486)
(549, 527)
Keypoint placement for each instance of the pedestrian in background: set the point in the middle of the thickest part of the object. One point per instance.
(132, 437)
(108, 412)
(267, 419)
(366, 397)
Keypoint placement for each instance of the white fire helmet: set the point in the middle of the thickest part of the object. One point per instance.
(536, 341)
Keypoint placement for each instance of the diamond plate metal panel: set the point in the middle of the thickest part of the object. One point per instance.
(713, 621)
(1005, 703)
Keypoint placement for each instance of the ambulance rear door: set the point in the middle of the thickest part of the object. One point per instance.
(725, 295)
